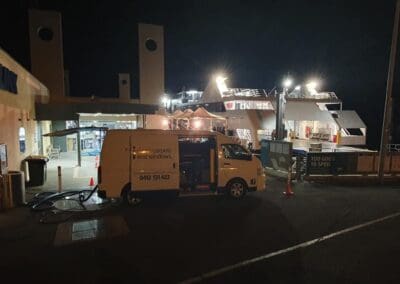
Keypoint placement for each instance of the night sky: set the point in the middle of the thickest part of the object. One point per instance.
(256, 43)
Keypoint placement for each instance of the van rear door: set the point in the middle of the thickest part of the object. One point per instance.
(154, 162)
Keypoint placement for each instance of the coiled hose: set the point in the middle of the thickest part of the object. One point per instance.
(45, 200)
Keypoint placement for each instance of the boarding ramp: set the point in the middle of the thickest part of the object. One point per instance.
(324, 162)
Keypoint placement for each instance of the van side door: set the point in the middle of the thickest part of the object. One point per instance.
(154, 162)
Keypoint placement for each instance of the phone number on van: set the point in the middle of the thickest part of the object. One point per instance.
(153, 177)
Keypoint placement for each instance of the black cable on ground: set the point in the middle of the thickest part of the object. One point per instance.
(44, 202)
(41, 203)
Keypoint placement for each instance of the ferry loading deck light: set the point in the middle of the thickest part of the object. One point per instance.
(287, 83)
(221, 85)
(192, 92)
(312, 86)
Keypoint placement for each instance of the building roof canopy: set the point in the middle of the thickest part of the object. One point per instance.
(75, 130)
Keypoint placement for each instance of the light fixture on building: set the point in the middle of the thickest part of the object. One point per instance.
(197, 124)
(298, 88)
(164, 100)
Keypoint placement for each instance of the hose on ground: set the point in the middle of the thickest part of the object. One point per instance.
(45, 200)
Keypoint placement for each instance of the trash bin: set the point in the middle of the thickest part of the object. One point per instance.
(36, 170)
(15, 181)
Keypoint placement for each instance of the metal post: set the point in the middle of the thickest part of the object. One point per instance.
(279, 116)
(278, 110)
(282, 114)
(78, 148)
(59, 178)
(386, 125)
(298, 168)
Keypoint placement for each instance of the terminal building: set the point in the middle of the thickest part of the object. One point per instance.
(19, 130)
(136, 97)
(38, 102)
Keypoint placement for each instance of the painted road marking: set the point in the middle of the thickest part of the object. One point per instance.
(247, 262)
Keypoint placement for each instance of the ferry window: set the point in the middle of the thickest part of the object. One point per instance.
(333, 107)
(235, 151)
(354, 131)
(193, 139)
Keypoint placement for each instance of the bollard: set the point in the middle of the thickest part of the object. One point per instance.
(298, 168)
(96, 164)
(59, 178)
(7, 197)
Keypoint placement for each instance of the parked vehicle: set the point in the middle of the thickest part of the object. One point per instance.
(136, 162)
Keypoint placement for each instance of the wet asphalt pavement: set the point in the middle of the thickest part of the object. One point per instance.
(169, 241)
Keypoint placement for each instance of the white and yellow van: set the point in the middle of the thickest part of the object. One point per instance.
(135, 162)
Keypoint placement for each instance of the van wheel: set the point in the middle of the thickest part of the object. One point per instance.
(237, 189)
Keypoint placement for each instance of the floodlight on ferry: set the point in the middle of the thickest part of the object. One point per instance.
(191, 92)
(312, 85)
(287, 82)
(221, 85)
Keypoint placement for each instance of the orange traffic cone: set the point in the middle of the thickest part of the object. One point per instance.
(288, 192)
(91, 182)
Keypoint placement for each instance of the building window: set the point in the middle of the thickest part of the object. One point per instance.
(45, 34)
(8, 80)
(22, 143)
(151, 44)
